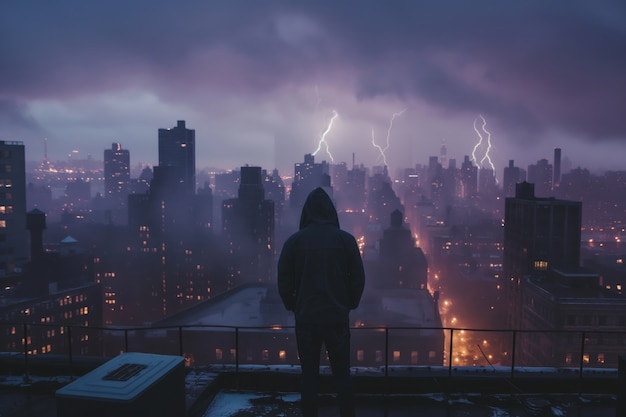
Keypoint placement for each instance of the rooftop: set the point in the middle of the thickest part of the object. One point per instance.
(225, 391)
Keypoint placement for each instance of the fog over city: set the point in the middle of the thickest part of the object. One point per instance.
(260, 81)
(160, 153)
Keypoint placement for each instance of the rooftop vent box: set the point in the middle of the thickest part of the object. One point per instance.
(131, 384)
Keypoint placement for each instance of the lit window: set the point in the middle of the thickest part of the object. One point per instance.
(282, 355)
(360, 355)
(218, 354)
(265, 354)
(396, 355)
(414, 357)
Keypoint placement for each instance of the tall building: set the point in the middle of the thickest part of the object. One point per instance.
(401, 263)
(177, 149)
(469, 178)
(512, 176)
(570, 299)
(13, 234)
(308, 175)
(539, 234)
(248, 230)
(487, 181)
(556, 180)
(540, 174)
(353, 198)
(116, 173)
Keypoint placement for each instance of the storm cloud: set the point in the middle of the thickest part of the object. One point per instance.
(245, 72)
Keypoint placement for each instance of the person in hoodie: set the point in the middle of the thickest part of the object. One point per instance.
(320, 279)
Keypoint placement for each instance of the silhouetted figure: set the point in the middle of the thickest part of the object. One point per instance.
(320, 279)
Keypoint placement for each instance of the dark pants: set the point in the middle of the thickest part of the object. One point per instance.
(336, 339)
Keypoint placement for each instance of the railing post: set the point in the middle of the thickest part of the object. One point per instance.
(180, 340)
(69, 350)
(237, 356)
(582, 354)
(386, 352)
(125, 340)
(513, 354)
(620, 408)
(25, 332)
(450, 353)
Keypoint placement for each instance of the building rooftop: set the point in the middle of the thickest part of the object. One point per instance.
(268, 392)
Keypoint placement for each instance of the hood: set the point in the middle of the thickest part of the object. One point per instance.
(318, 209)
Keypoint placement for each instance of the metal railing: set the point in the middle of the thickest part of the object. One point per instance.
(495, 351)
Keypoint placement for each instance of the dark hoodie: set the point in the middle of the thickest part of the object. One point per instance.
(320, 272)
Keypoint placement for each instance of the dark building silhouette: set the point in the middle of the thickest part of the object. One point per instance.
(381, 199)
(116, 173)
(487, 182)
(539, 234)
(570, 298)
(308, 175)
(177, 149)
(540, 174)
(56, 287)
(512, 176)
(401, 264)
(248, 231)
(36, 224)
(13, 235)
(352, 198)
(171, 231)
(556, 180)
(469, 178)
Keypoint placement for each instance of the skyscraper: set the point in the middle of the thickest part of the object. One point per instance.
(13, 234)
(177, 149)
(556, 180)
(248, 229)
(540, 174)
(469, 178)
(539, 234)
(512, 176)
(116, 173)
(307, 176)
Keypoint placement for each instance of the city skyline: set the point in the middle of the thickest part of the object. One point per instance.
(261, 83)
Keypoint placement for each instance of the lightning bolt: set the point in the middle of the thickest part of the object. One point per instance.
(480, 141)
(393, 117)
(382, 152)
(323, 136)
(486, 157)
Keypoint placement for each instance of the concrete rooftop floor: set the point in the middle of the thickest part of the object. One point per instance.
(211, 393)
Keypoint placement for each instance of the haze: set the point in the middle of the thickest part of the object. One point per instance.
(259, 81)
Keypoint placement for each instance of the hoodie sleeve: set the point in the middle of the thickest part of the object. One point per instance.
(356, 274)
(286, 277)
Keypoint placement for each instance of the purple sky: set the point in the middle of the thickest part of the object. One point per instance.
(259, 80)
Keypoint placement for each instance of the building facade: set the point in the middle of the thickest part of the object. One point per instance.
(177, 149)
(13, 234)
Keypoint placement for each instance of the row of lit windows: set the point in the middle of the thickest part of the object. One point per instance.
(598, 358)
(396, 355)
(68, 299)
